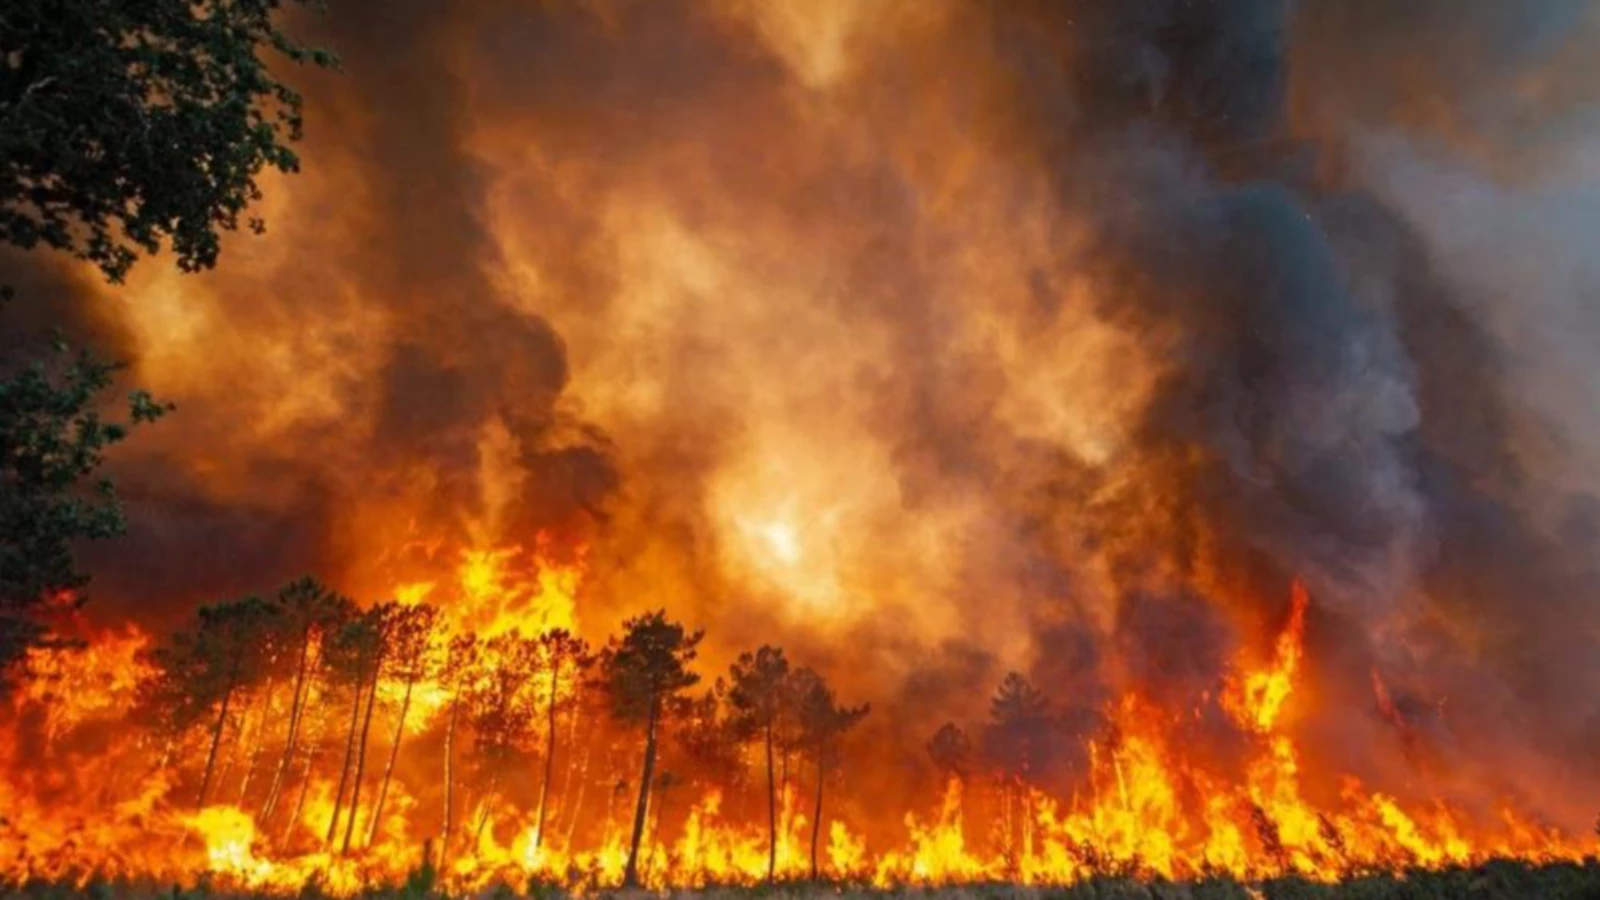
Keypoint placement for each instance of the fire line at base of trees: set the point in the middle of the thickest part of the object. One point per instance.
(509, 692)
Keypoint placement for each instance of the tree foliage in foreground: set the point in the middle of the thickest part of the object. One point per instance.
(52, 438)
(124, 127)
(128, 126)
(643, 670)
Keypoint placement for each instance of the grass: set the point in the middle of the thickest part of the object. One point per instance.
(1498, 880)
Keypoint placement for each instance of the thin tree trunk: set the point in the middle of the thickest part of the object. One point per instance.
(388, 769)
(296, 710)
(1027, 825)
(311, 751)
(630, 875)
(305, 788)
(660, 812)
(1014, 822)
(564, 811)
(238, 747)
(256, 744)
(449, 779)
(772, 813)
(611, 811)
(361, 756)
(575, 810)
(816, 816)
(483, 808)
(1008, 824)
(226, 760)
(216, 737)
(549, 755)
(349, 752)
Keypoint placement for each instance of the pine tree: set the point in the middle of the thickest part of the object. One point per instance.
(501, 703)
(564, 658)
(309, 615)
(951, 752)
(1015, 741)
(456, 676)
(642, 670)
(412, 638)
(759, 696)
(205, 669)
(822, 723)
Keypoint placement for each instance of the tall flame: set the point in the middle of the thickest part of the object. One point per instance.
(1149, 805)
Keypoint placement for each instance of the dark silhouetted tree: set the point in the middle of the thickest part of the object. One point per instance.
(126, 126)
(822, 722)
(1015, 741)
(1019, 726)
(123, 126)
(951, 752)
(412, 637)
(203, 670)
(353, 657)
(501, 706)
(51, 441)
(564, 658)
(642, 670)
(384, 618)
(708, 738)
(455, 676)
(309, 615)
(759, 696)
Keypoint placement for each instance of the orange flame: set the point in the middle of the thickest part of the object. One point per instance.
(1147, 806)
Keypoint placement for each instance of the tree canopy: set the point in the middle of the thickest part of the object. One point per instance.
(951, 751)
(260, 704)
(648, 664)
(642, 670)
(1020, 723)
(760, 696)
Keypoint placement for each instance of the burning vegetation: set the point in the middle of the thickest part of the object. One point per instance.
(303, 739)
(902, 443)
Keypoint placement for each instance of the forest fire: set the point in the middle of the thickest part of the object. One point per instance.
(495, 760)
(912, 442)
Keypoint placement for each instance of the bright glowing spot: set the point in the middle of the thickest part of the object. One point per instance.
(782, 542)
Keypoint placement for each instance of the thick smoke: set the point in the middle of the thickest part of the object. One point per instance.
(934, 340)
(355, 380)
(1342, 386)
